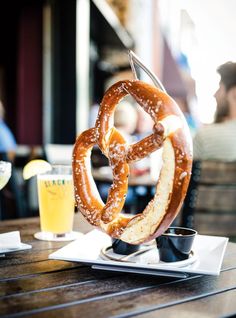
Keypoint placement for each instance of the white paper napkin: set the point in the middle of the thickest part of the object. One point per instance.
(10, 240)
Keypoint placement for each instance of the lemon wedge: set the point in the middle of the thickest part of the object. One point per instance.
(34, 167)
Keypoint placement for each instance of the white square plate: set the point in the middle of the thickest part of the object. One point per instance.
(209, 252)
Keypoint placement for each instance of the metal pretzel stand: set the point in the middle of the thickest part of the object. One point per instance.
(134, 59)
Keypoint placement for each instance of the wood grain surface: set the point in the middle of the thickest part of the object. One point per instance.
(31, 285)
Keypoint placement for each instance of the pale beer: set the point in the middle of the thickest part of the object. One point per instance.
(56, 203)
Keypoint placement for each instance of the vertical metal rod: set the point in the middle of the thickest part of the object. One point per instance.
(132, 65)
(133, 58)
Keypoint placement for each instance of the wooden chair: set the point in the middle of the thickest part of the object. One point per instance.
(210, 206)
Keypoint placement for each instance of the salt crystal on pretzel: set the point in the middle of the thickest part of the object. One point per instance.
(170, 132)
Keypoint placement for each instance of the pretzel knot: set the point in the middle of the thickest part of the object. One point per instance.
(170, 131)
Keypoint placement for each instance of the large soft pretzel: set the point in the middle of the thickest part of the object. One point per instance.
(170, 131)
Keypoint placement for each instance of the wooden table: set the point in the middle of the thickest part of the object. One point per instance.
(33, 286)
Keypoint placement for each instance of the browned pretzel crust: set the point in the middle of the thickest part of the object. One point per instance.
(170, 131)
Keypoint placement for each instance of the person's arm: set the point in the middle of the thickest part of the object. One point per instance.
(7, 142)
(198, 145)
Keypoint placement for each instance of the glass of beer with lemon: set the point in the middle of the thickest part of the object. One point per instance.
(56, 201)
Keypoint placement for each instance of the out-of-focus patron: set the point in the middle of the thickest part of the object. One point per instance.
(8, 147)
(125, 119)
(218, 141)
(7, 139)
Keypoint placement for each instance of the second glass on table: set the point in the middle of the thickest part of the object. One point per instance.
(56, 204)
(5, 173)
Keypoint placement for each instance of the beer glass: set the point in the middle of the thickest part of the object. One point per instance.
(5, 173)
(56, 204)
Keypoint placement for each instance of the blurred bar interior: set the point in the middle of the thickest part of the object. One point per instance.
(57, 58)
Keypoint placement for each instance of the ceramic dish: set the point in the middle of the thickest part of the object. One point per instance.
(207, 257)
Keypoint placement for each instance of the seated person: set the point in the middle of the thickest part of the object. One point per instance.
(7, 153)
(7, 139)
(217, 141)
(125, 119)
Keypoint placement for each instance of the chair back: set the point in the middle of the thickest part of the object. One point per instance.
(210, 202)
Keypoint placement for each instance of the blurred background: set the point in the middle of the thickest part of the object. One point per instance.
(57, 58)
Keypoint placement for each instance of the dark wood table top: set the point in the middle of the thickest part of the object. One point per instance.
(31, 285)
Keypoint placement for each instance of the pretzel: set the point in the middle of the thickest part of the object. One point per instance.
(170, 131)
